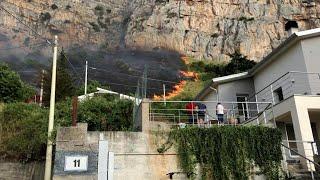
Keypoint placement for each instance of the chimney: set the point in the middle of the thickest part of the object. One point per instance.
(291, 27)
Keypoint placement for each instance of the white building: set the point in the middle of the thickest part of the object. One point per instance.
(288, 78)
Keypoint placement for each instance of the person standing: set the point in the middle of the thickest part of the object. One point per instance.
(202, 109)
(191, 106)
(220, 112)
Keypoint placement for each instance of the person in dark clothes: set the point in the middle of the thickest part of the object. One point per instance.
(202, 109)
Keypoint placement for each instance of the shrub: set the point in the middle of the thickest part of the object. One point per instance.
(95, 26)
(104, 115)
(23, 131)
(11, 87)
(54, 7)
(99, 10)
(45, 17)
(23, 127)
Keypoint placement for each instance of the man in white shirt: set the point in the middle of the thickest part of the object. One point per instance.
(220, 112)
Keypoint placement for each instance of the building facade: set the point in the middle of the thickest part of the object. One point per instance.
(283, 90)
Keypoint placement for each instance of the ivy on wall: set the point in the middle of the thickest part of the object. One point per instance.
(228, 152)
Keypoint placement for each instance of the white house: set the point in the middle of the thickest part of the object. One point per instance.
(289, 80)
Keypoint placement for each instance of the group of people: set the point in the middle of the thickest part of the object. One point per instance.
(197, 113)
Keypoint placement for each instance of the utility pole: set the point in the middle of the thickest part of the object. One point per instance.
(47, 175)
(164, 94)
(86, 79)
(41, 88)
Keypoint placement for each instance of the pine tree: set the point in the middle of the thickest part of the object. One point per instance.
(64, 83)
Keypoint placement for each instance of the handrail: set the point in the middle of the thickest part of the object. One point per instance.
(257, 116)
(301, 155)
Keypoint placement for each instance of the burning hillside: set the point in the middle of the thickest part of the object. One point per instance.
(178, 88)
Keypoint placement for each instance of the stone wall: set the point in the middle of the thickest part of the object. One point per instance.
(16, 170)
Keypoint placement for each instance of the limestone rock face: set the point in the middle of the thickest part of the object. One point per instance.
(205, 29)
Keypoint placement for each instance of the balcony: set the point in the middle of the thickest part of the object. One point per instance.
(291, 83)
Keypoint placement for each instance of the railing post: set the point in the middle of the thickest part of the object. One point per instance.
(311, 170)
(233, 113)
(285, 164)
(247, 107)
(179, 116)
(258, 111)
(243, 112)
(274, 119)
(273, 102)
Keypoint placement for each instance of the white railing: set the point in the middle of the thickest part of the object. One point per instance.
(287, 85)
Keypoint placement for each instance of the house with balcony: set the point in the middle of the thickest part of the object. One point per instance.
(282, 90)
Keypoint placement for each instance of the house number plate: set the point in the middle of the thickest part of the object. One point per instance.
(76, 163)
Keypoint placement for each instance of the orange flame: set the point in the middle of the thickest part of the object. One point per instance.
(190, 74)
(185, 59)
(177, 89)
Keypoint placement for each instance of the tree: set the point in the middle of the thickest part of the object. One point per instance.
(238, 64)
(64, 82)
(11, 87)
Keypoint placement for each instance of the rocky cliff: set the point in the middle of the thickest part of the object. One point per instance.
(205, 29)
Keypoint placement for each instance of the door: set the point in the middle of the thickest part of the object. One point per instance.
(243, 106)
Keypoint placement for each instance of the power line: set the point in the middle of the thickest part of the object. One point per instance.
(30, 28)
(72, 67)
(17, 47)
(128, 85)
(152, 79)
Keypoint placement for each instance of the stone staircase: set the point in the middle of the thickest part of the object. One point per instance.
(296, 171)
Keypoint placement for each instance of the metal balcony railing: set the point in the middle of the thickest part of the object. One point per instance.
(287, 85)
(175, 112)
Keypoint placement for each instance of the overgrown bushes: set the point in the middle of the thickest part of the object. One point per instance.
(23, 131)
(237, 64)
(23, 127)
(229, 152)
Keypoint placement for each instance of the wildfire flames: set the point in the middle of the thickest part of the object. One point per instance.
(177, 89)
(190, 74)
(185, 59)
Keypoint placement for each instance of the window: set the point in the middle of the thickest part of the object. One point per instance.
(242, 105)
(278, 95)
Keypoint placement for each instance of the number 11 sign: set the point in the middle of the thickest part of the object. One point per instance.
(76, 163)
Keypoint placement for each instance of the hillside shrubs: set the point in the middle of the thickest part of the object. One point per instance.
(23, 132)
(228, 152)
(237, 64)
(23, 127)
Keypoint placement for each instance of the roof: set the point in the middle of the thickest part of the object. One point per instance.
(291, 40)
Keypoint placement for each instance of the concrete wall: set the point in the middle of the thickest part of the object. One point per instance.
(290, 60)
(228, 93)
(136, 155)
(16, 170)
(311, 52)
